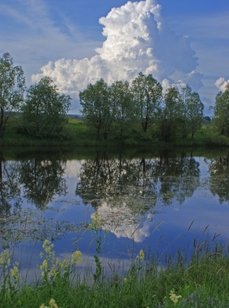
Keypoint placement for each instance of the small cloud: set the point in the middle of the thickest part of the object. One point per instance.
(222, 84)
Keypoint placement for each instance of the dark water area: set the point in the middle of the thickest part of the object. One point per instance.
(163, 203)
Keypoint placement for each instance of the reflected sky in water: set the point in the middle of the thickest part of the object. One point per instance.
(162, 204)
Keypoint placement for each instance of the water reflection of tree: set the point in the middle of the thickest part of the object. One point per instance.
(10, 200)
(18, 222)
(219, 177)
(124, 191)
(178, 177)
(117, 181)
(42, 179)
(9, 190)
(141, 181)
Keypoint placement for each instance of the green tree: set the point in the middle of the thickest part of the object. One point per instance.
(12, 85)
(221, 116)
(97, 109)
(171, 115)
(147, 95)
(122, 105)
(45, 109)
(193, 108)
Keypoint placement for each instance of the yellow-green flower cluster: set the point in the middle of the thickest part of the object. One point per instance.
(76, 257)
(44, 268)
(141, 255)
(14, 273)
(53, 267)
(9, 271)
(96, 221)
(52, 304)
(5, 258)
(62, 265)
(48, 247)
(173, 297)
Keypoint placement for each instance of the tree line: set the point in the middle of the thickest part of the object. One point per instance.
(140, 108)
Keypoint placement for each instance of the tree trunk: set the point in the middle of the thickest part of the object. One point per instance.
(145, 124)
(1, 121)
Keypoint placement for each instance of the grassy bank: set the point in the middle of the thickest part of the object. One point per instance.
(204, 282)
(76, 133)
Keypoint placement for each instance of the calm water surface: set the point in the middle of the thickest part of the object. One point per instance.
(162, 203)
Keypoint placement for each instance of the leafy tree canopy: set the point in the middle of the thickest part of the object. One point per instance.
(45, 109)
(222, 112)
(12, 86)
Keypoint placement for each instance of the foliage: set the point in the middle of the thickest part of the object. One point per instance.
(45, 110)
(12, 84)
(77, 133)
(171, 116)
(139, 110)
(193, 110)
(147, 95)
(97, 108)
(123, 109)
(221, 116)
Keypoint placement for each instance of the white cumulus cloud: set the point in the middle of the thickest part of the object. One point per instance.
(222, 84)
(136, 40)
(122, 222)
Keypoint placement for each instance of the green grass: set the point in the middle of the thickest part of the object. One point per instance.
(76, 133)
(204, 282)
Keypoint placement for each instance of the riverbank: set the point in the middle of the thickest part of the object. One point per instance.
(204, 282)
(77, 134)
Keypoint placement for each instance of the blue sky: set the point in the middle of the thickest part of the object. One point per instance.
(38, 31)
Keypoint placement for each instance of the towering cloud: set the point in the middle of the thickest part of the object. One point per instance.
(136, 40)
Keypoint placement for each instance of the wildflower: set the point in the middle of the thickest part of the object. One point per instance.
(5, 258)
(58, 262)
(64, 264)
(96, 221)
(76, 256)
(61, 265)
(52, 303)
(43, 306)
(173, 297)
(44, 267)
(54, 273)
(141, 255)
(14, 273)
(48, 247)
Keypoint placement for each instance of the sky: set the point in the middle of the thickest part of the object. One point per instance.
(77, 42)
